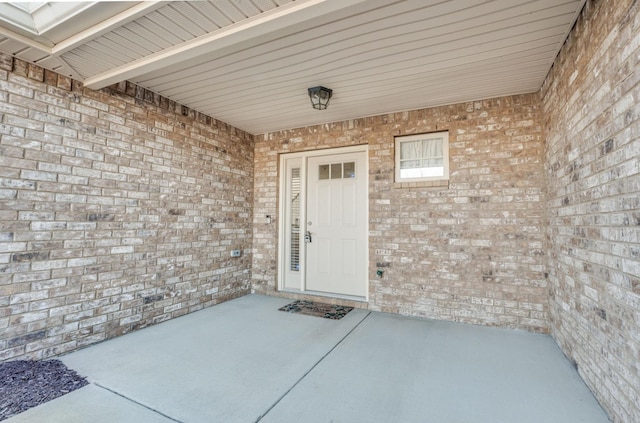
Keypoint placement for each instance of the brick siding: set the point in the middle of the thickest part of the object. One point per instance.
(118, 209)
(592, 109)
(470, 252)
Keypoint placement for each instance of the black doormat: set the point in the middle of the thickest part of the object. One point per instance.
(311, 308)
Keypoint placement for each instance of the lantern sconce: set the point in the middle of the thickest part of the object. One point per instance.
(320, 97)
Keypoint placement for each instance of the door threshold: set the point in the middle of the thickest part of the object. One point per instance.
(327, 295)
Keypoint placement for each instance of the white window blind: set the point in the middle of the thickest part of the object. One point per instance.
(294, 262)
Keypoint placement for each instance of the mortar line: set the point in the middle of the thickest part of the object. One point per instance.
(311, 369)
(137, 402)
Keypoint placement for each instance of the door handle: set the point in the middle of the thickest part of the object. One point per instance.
(307, 237)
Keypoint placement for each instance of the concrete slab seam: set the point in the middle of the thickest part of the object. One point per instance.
(136, 402)
(312, 368)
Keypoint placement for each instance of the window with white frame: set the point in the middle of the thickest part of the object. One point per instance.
(423, 157)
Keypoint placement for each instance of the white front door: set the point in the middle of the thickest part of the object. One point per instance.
(323, 241)
(337, 224)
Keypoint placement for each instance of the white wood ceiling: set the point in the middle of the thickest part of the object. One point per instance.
(249, 62)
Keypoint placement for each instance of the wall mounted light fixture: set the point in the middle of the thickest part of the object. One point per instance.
(320, 97)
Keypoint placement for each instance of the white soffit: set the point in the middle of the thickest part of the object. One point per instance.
(250, 62)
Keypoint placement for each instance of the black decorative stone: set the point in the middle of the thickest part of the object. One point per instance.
(25, 384)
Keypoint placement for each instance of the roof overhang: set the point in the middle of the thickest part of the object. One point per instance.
(226, 57)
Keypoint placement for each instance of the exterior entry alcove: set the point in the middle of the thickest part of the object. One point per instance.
(122, 196)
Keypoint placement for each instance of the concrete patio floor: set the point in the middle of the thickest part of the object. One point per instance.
(245, 361)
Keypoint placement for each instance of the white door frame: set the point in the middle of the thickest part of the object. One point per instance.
(282, 217)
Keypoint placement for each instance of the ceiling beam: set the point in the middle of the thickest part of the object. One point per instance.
(25, 40)
(261, 25)
(105, 26)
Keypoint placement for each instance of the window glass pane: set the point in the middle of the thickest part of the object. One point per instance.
(423, 172)
(422, 159)
(336, 171)
(432, 148)
(433, 162)
(410, 164)
(410, 150)
(350, 170)
(323, 172)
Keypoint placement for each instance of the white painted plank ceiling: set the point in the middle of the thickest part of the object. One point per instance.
(250, 62)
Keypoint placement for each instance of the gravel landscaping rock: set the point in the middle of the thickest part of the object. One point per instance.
(25, 384)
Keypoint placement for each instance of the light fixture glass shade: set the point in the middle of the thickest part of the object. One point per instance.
(320, 97)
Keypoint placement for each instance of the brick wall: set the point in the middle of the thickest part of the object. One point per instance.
(592, 105)
(118, 209)
(470, 252)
